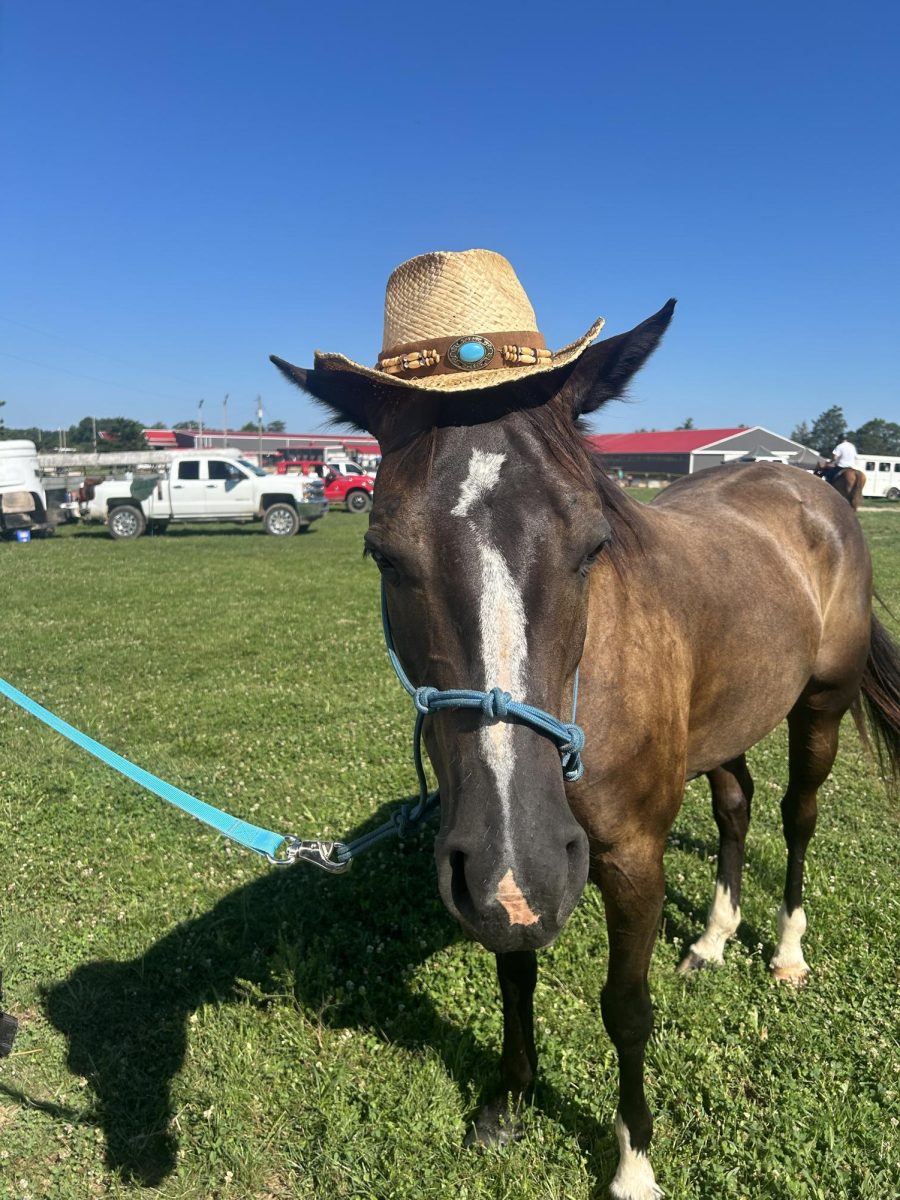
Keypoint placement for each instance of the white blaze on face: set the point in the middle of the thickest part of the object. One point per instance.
(483, 477)
(501, 619)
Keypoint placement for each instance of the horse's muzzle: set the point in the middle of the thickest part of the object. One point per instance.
(509, 898)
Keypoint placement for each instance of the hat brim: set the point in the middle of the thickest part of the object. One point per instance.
(464, 381)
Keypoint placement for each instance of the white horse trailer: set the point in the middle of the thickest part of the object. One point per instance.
(882, 474)
(23, 502)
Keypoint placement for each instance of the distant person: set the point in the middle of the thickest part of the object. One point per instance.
(842, 456)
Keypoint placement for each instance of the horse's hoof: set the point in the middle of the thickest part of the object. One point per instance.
(691, 963)
(796, 976)
(494, 1126)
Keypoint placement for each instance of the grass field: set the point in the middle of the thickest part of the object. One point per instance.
(196, 1024)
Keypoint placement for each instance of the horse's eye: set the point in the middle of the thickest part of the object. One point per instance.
(382, 562)
(590, 558)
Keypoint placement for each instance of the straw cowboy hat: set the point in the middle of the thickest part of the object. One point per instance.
(456, 321)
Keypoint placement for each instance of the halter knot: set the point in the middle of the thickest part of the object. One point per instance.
(575, 744)
(422, 698)
(496, 704)
(570, 751)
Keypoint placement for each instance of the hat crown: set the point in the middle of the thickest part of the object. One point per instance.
(451, 293)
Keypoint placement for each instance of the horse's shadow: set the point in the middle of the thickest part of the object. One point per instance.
(126, 1022)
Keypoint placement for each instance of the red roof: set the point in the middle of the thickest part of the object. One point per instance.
(160, 438)
(667, 441)
(362, 443)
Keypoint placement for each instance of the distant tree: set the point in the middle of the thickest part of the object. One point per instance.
(688, 423)
(113, 433)
(44, 439)
(276, 427)
(249, 427)
(827, 430)
(801, 434)
(158, 425)
(877, 437)
(184, 425)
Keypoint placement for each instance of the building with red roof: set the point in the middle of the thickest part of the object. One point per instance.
(357, 446)
(684, 451)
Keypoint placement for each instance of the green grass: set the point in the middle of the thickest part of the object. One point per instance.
(199, 1025)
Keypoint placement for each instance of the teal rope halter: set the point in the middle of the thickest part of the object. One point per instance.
(495, 704)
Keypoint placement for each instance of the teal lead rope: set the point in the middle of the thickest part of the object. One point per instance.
(282, 850)
(263, 841)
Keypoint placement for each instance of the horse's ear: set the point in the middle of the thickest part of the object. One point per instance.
(350, 398)
(604, 370)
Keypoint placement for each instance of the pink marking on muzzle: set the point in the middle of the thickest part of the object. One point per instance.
(509, 894)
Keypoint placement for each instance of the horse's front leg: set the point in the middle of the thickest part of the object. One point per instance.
(631, 879)
(497, 1122)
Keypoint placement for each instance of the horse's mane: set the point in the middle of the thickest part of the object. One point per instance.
(567, 443)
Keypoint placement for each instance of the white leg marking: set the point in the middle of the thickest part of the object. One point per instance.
(721, 924)
(634, 1176)
(788, 961)
(502, 622)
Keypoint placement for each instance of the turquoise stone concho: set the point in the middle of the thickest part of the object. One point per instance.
(470, 353)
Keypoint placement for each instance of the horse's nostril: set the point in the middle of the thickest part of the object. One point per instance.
(578, 860)
(458, 888)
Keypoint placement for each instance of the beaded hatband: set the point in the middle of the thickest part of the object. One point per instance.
(474, 352)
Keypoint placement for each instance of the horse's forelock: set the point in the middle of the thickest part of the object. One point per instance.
(414, 430)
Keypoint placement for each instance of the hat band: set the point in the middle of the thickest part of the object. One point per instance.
(474, 352)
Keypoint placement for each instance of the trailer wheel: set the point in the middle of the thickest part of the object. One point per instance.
(281, 520)
(893, 493)
(359, 501)
(126, 521)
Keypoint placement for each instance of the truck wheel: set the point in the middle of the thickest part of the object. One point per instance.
(281, 520)
(359, 501)
(126, 521)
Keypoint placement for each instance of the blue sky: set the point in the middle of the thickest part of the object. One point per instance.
(189, 188)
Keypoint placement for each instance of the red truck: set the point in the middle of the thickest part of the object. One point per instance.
(353, 492)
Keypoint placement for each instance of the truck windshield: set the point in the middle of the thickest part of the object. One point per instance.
(251, 467)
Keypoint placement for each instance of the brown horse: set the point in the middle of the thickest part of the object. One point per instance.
(848, 482)
(508, 560)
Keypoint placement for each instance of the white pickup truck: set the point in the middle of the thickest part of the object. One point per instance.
(205, 486)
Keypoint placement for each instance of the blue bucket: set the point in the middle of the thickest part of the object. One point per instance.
(23, 535)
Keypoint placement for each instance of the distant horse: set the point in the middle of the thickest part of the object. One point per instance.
(508, 561)
(848, 482)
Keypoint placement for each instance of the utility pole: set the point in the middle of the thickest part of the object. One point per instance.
(225, 421)
(200, 425)
(259, 417)
(94, 429)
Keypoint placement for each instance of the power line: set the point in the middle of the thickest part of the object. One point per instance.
(96, 353)
(125, 387)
